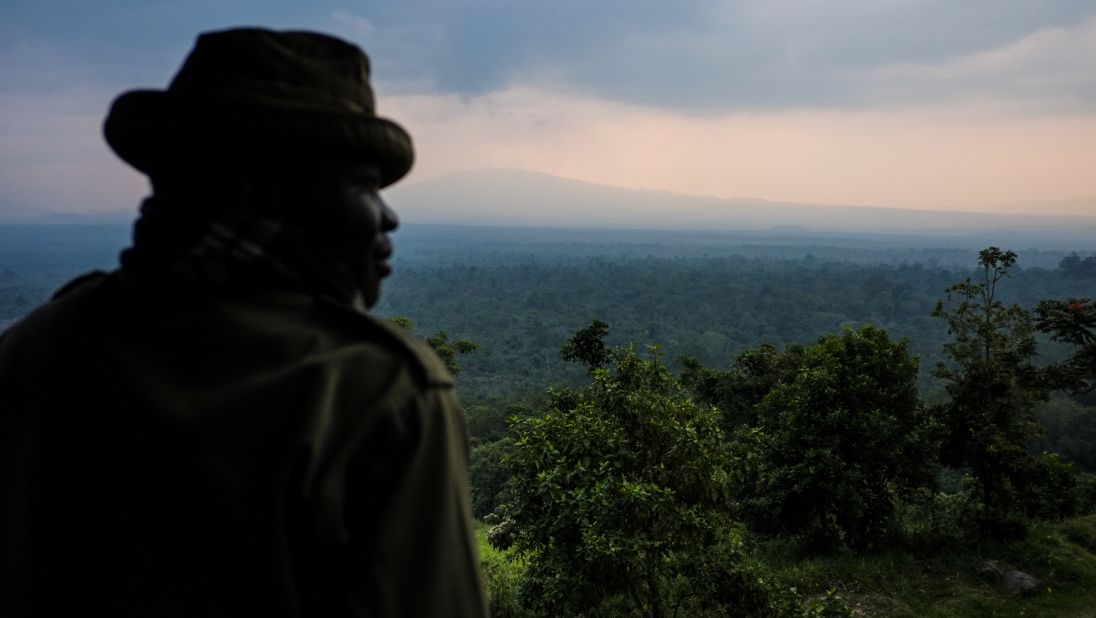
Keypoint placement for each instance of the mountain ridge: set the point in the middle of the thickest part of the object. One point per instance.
(513, 197)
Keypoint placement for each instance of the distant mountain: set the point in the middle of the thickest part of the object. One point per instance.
(508, 197)
(114, 217)
(1081, 207)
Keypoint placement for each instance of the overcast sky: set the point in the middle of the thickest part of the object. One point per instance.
(911, 103)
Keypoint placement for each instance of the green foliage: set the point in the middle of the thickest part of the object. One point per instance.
(587, 346)
(520, 303)
(943, 581)
(439, 341)
(1082, 531)
(617, 491)
(725, 585)
(448, 350)
(1059, 491)
(738, 391)
(935, 520)
(992, 387)
(403, 322)
(837, 443)
(1071, 321)
(489, 473)
(502, 573)
(489, 419)
(1068, 428)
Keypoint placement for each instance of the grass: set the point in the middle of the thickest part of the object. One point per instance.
(947, 583)
(920, 582)
(501, 572)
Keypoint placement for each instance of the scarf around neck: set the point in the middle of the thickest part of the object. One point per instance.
(233, 249)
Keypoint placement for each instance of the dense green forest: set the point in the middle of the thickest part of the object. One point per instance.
(710, 308)
(643, 492)
(704, 425)
(922, 419)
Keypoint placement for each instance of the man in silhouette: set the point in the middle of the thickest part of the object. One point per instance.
(218, 427)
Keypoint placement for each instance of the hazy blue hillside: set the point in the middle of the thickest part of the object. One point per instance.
(434, 244)
(510, 197)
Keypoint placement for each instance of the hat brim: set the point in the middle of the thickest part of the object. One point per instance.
(149, 129)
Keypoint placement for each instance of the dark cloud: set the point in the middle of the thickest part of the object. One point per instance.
(696, 55)
(704, 54)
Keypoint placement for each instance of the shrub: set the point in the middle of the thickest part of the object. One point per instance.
(834, 446)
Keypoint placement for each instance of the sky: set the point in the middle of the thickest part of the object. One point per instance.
(935, 104)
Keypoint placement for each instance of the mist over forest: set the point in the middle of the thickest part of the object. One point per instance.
(518, 198)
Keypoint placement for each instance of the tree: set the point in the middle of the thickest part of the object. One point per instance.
(836, 442)
(489, 472)
(449, 350)
(1072, 321)
(620, 489)
(1074, 265)
(738, 391)
(587, 346)
(439, 341)
(993, 388)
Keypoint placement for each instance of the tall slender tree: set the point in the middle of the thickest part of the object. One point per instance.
(993, 387)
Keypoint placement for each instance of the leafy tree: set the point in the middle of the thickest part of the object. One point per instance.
(837, 442)
(439, 341)
(1072, 321)
(488, 419)
(587, 346)
(489, 473)
(993, 388)
(620, 490)
(449, 350)
(1069, 429)
(738, 391)
(1074, 265)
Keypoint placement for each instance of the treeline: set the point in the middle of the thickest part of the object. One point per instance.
(519, 309)
(627, 495)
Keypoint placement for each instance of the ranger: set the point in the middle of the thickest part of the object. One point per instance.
(219, 427)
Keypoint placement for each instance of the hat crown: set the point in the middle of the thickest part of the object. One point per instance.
(304, 70)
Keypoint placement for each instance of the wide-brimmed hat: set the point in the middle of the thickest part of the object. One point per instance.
(255, 91)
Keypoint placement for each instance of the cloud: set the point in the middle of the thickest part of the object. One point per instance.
(356, 24)
(1049, 68)
(711, 56)
(891, 102)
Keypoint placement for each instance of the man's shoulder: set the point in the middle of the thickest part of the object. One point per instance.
(421, 358)
(81, 284)
(58, 320)
(66, 300)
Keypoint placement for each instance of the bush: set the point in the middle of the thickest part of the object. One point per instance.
(932, 519)
(619, 489)
(836, 445)
(1054, 491)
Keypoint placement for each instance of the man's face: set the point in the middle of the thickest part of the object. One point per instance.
(354, 224)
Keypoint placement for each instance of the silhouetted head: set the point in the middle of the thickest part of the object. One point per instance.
(277, 124)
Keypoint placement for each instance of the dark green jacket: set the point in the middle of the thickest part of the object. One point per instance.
(174, 451)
